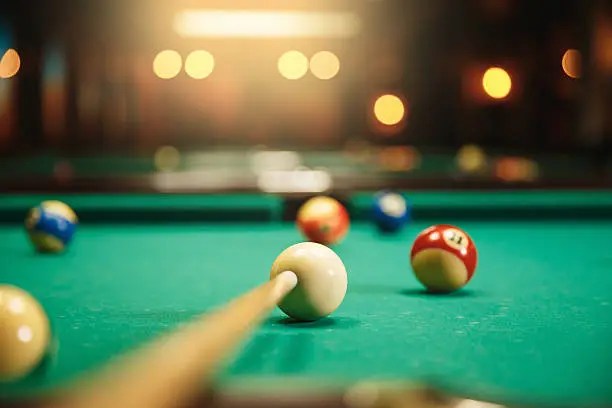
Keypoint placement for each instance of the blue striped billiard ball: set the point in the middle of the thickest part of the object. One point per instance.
(390, 212)
(51, 226)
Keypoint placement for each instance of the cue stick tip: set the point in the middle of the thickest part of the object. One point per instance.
(285, 282)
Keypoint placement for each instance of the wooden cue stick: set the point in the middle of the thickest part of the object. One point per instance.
(170, 372)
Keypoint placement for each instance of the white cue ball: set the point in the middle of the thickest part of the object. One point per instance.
(322, 280)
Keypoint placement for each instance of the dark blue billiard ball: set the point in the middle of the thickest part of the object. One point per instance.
(390, 212)
(51, 226)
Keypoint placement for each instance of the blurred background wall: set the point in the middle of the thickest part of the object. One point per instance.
(404, 76)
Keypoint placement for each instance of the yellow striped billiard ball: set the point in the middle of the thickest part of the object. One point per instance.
(25, 333)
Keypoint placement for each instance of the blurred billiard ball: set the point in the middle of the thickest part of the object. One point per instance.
(390, 212)
(323, 220)
(25, 333)
(51, 226)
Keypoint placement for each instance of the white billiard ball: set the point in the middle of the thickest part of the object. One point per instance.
(322, 280)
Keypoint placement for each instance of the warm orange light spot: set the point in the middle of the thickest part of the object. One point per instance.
(389, 110)
(497, 83)
(293, 65)
(513, 169)
(572, 63)
(10, 63)
(167, 64)
(199, 64)
(324, 65)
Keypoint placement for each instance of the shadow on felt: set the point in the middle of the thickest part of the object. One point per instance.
(326, 322)
(421, 292)
(374, 289)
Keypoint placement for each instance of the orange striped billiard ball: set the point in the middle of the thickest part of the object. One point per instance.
(443, 258)
(323, 220)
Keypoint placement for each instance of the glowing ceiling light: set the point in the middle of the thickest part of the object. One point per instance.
(275, 24)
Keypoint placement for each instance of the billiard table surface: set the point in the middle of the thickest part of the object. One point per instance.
(534, 326)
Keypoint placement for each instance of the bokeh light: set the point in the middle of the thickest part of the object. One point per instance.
(211, 23)
(389, 110)
(10, 63)
(471, 159)
(167, 158)
(293, 65)
(497, 83)
(167, 64)
(324, 65)
(516, 169)
(199, 64)
(399, 158)
(572, 63)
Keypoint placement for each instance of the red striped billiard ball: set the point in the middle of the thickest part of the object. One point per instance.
(443, 258)
(323, 220)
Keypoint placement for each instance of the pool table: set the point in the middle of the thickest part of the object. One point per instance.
(534, 326)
